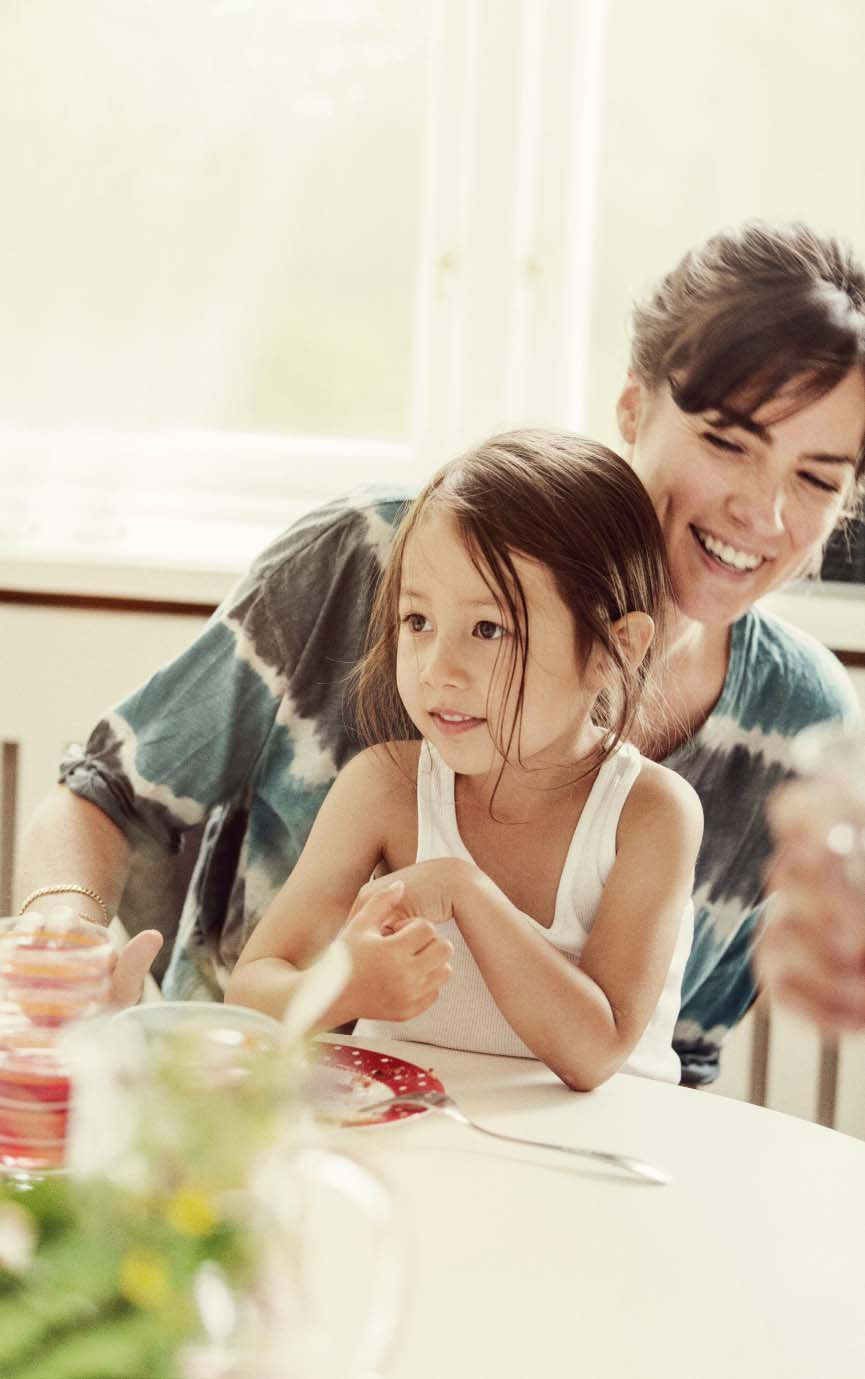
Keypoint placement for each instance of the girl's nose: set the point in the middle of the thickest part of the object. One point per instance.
(443, 665)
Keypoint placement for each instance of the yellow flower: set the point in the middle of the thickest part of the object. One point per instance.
(190, 1212)
(144, 1278)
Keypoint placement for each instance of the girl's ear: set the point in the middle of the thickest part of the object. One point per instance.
(628, 408)
(634, 633)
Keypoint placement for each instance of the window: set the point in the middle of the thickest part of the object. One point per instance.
(258, 251)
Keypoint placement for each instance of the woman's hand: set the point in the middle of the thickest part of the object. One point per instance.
(129, 966)
(811, 955)
(132, 965)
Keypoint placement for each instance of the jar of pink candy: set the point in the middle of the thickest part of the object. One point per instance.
(53, 971)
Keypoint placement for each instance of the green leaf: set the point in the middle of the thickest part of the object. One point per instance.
(128, 1347)
(47, 1199)
(67, 1287)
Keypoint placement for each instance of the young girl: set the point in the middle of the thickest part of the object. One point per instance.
(539, 871)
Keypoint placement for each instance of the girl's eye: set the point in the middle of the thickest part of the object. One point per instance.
(489, 631)
(721, 443)
(416, 622)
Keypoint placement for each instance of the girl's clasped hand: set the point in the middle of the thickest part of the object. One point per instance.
(399, 961)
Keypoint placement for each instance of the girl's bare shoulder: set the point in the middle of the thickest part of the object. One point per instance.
(389, 795)
(662, 792)
(389, 770)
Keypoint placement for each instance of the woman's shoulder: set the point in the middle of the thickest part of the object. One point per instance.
(787, 678)
(343, 542)
(363, 520)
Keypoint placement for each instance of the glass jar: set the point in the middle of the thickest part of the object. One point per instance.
(53, 973)
(834, 761)
(197, 1160)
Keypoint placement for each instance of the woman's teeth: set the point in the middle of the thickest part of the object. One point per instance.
(728, 555)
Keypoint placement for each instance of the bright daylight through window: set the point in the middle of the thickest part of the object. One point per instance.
(249, 243)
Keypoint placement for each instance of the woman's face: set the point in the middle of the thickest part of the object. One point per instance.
(743, 508)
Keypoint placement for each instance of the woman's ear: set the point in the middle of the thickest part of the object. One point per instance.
(628, 408)
(634, 633)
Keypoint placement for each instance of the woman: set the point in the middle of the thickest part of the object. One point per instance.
(744, 415)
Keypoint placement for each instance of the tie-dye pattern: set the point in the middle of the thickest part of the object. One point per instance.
(247, 728)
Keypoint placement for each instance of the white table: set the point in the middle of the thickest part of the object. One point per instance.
(528, 1265)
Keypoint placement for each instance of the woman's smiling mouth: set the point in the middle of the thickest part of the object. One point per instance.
(727, 556)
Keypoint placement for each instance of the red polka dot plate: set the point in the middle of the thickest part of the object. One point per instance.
(346, 1079)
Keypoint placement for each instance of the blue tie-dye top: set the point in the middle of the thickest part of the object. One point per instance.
(245, 730)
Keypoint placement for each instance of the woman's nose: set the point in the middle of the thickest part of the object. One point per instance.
(757, 505)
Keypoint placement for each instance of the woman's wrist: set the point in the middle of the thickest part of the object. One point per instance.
(84, 900)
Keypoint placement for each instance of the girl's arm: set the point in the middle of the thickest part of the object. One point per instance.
(583, 1021)
(394, 975)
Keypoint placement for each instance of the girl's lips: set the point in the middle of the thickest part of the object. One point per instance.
(453, 727)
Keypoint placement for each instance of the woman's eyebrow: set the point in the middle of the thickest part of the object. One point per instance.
(723, 420)
(820, 458)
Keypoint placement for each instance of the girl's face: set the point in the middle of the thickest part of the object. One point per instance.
(456, 648)
(743, 508)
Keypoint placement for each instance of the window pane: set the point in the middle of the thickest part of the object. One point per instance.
(211, 213)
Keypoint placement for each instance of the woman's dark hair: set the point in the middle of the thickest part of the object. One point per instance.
(750, 314)
(576, 508)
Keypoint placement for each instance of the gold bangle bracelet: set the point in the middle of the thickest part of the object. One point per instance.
(71, 889)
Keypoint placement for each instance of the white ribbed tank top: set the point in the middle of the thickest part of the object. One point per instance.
(465, 1016)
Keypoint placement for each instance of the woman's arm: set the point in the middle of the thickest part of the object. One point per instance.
(394, 975)
(70, 840)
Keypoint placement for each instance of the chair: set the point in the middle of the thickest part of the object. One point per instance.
(826, 1090)
(8, 821)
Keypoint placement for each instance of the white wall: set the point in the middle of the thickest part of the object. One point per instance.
(63, 668)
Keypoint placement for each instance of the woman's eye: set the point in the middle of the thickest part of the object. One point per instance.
(415, 622)
(821, 484)
(489, 631)
(721, 443)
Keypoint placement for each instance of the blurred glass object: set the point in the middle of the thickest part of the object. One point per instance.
(835, 761)
(52, 974)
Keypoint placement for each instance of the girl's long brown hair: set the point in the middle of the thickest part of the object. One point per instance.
(576, 508)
